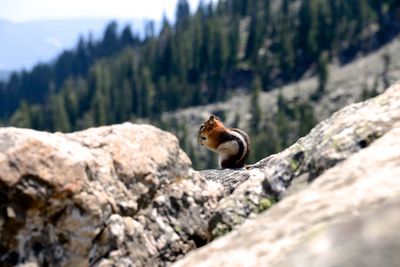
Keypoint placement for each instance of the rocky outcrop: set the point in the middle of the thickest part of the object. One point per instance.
(123, 195)
(348, 211)
(126, 195)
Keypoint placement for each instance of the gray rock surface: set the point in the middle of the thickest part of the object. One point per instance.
(328, 223)
(122, 195)
(367, 240)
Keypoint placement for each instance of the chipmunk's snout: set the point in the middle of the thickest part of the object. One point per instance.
(201, 139)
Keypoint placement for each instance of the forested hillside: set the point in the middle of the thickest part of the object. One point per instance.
(205, 57)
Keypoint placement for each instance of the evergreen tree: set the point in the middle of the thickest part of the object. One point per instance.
(147, 94)
(59, 118)
(255, 34)
(149, 30)
(182, 15)
(325, 34)
(386, 65)
(304, 115)
(234, 42)
(70, 100)
(110, 40)
(21, 118)
(255, 109)
(282, 124)
(307, 34)
(101, 105)
(83, 55)
(322, 72)
(127, 37)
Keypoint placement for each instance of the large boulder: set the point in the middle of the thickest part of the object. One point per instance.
(121, 195)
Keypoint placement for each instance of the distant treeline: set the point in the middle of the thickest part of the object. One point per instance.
(194, 61)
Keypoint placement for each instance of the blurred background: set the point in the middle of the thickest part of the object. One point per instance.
(272, 67)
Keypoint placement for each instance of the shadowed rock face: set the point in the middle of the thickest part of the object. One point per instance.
(118, 195)
(332, 187)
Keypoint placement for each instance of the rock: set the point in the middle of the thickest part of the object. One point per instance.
(121, 195)
(367, 240)
(345, 133)
(126, 195)
(328, 223)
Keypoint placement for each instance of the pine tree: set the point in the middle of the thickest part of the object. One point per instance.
(59, 118)
(304, 116)
(282, 124)
(322, 72)
(234, 42)
(165, 48)
(101, 105)
(84, 61)
(70, 100)
(126, 101)
(386, 66)
(110, 40)
(326, 27)
(149, 30)
(255, 34)
(255, 109)
(287, 51)
(307, 34)
(147, 93)
(182, 15)
(126, 36)
(21, 118)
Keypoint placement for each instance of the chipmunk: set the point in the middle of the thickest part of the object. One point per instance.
(232, 144)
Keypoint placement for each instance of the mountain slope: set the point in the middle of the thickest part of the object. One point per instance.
(196, 60)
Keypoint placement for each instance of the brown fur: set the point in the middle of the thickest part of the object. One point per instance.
(212, 134)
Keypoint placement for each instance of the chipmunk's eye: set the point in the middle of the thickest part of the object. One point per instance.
(202, 127)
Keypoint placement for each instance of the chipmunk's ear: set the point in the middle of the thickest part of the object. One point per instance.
(212, 118)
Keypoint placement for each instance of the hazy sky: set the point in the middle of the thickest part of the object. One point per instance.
(27, 10)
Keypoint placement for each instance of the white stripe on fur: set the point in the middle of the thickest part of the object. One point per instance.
(232, 147)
